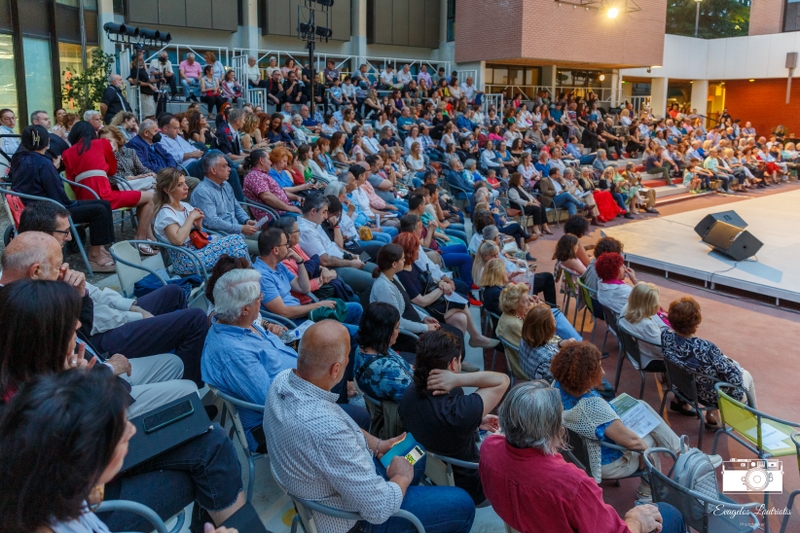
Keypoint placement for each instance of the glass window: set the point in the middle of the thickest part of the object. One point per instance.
(451, 21)
(38, 74)
(8, 78)
(791, 17)
(69, 55)
(87, 4)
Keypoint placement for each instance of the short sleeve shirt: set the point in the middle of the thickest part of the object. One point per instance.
(651, 162)
(191, 71)
(168, 216)
(275, 283)
(376, 181)
(257, 182)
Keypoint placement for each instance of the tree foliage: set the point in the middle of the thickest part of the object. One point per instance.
(718, 18)
(85, 89)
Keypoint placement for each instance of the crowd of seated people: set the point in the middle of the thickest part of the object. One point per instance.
(302, 218)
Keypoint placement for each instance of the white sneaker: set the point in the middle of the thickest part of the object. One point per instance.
(716, 460)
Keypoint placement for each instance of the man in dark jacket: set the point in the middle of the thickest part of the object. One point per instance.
(147, 147)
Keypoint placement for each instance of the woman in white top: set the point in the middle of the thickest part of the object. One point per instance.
(330, 126)
(448, 134)
(524, 117)
(640, 317)
(272, 67)
(612, 291)
(527, 169)
(176, 220)
(489, 158)
(383, 122)
(511, 134)
(349, 121)
(413, 136)
(415, 159)
(625, 118)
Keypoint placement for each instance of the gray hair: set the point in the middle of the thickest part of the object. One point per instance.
(35, 115)
(251, 57)
(209, 160)
(190, 54)
(19, 262)
(234, 290)
(530, 417)
(490, 232)
(335, 188)
(470, 164)
(235, 115)
(600, 152)
(87, 116)
(453, 161)
(145, 125)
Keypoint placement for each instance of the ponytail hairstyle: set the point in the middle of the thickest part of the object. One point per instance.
(35, 138)
(253, 158)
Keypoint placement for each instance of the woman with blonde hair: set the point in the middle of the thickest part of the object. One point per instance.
(250, 134)
(641, 317)
(176, 220)
(129, 167)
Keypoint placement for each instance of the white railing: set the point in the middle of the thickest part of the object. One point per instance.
(180, 50)
(638, 101)
(493, 100)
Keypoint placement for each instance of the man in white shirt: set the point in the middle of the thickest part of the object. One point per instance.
(314, 241)
(179, 148)
(387, 78)
(474, 96)
(404, 77)
(253, 74)
(163, 66)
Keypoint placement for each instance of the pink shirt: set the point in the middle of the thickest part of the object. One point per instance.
(193, 71)
(257, 182)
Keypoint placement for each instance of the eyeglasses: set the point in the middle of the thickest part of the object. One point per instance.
(284, 244)
(64, 232)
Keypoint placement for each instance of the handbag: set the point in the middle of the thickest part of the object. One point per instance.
(364, 233)
(431, 284)
(199, 238)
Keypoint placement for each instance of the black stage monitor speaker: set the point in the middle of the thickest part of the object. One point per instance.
(729, 217)
(734, 242)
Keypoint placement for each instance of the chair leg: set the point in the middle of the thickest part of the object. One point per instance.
(785, 521)
(700, 433)
(641, 389)
(605, 337)
(620, 357)
(295, 521)
(251, 480)
(81, 248)
(661, 411)
(716, 439)
(575, 317)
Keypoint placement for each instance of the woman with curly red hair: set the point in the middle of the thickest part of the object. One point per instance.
(577, 370)
(612, 291)
(433, 295)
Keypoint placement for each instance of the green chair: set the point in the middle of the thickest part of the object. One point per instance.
(747, 425)
(439, 471)
(794, 493)
(570, 291)
(69, 189)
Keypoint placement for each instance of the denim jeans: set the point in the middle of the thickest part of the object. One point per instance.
(672, 520)
(456, 256)
(192, 89)
(620, 199)
(401, 205)
(564, 328)
(427, 504)
(453, 232)
(572, 203)
(390, 231)
(382, 237)
(205, 469)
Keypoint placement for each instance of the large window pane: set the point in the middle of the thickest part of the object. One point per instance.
(69, 55)
(38, 74)
(8, 79)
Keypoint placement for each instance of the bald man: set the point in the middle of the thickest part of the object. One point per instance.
(156, 323)
(317, 452)
(113, 100)
(155, 380)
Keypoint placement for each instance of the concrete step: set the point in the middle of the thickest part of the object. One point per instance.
(672, 195)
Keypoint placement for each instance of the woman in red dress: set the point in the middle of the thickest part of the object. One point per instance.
(90, 161)
(606, 204)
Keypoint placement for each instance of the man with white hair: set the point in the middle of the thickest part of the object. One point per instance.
(163, 66)
(147, 145)
(473, 95)
(190, 71)
(113, 101)
(155, 380)
(253, 73)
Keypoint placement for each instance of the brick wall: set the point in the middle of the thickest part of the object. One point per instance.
(762, 103)
(543, 32)
(766, 16)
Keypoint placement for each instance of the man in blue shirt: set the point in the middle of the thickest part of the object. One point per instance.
(277, 282)
(575, 149)
(308, 121)
(543, 164)
(464, 122)
(147, 147)
(404, 122)
(214, 197)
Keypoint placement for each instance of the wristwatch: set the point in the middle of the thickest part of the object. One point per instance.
(300, 262)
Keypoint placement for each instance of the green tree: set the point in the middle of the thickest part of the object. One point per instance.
(85, 89)
(718, 18)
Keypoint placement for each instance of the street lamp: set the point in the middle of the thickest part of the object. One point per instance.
(697, 18)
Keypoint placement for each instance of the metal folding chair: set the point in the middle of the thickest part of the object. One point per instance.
(305, 516)
(631, 351)
(143, 511)
(683, 385)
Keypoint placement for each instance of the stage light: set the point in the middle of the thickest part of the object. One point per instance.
(306, 29)
(121, 29)
(613, 12)
(324, 32)
(325, 3)
(150, 35)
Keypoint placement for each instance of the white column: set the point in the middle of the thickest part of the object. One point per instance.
(700, 96)
(549, 73)
(616, 88)
(251, 33)
(105, 13)
(358, 39)
(658, 96)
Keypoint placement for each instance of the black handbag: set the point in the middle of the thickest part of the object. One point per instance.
(430, 284)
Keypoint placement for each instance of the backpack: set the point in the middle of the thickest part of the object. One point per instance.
(694, 470)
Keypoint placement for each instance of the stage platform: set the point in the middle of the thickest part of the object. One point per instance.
(671, 245)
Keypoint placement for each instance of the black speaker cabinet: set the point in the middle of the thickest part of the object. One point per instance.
(729, 217)
(734, 242)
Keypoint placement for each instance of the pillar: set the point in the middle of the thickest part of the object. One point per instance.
(549, 78)
(251, 33)
(105, 13)
(700, 96)
(658, 96)
(616, 88)
(358, 39)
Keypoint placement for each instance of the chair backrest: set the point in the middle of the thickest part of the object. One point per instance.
(305, 507)
(70, 192)
(512, 357)
(631, 346)
(439, 472)
(681, 380)
(14, 208)
(578, 452)
(128, 275)
(611, 320)
(700, 512)
(232, 406)
(586, 294)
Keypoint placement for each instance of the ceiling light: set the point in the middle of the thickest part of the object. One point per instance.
(613, 12)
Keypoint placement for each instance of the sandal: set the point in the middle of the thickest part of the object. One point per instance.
(103, 269)
(681, 408)
(713, 426)
(145, 249)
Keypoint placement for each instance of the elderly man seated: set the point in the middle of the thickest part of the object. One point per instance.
(215, 198)
(319, 453)
(149, 149)
(278, 282)
(523, 469)
(154, 324)
(155, 380)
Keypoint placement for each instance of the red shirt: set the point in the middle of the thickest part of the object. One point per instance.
(537, 493)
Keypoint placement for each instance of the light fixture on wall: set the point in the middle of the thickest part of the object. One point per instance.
(602, 77)
(612, 9)
(751, 80)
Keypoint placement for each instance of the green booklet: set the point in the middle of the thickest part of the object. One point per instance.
(634, 415)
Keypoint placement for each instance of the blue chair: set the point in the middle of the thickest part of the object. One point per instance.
(231, 406)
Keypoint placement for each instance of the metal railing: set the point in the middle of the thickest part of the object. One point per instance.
(494, 100)
(530, 92)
